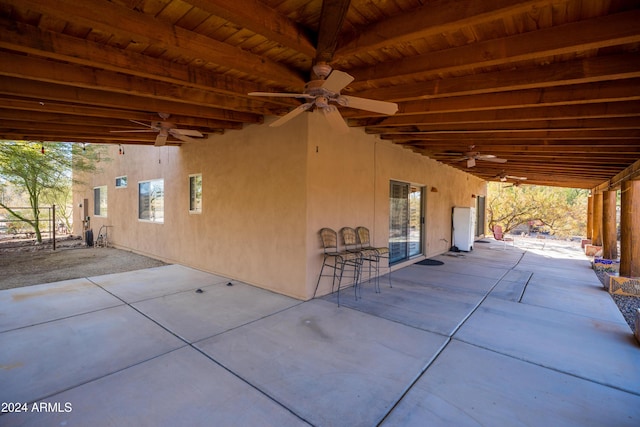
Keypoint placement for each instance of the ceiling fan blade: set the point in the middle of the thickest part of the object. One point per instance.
(282, 95)
(335, 119)
(492, 159)
(187, 132)
(161, 139)
(143, 124)
(382, 107)
(181, 137)
(337, 81)
(293, 113)
(133, 131)
(521, 178)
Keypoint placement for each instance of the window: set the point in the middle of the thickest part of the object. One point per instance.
(195, 193)
(151, 200)
(100, 201)
(121, 182)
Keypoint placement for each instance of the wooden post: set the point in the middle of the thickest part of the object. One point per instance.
(609, 230)
(630, 229)
(590, 217)
(597, 219)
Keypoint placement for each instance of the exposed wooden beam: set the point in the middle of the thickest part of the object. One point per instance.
(596, 110)
(566, 124)
(43, 70)
(434, 18)
(619, 90)
(575, 37)
(140, 28)
(331, 21)
(588, 70)
(85, 111)
(516, 135)
(256, 16)
(34, 41)
(51, 92)
(43, 119)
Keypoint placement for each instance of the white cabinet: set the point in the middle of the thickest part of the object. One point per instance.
(464, 227)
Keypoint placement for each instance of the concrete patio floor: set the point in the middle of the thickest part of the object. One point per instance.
(496, 337)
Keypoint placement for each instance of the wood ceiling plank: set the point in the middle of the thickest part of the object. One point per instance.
(436, 17)
(56, 113)
(261, 19)
(613, 91)
(85, 111)
(146, 29)
(560, 124)
(573, 134)
(24, 67)
(596, 110)
(51, 92)
(586, 70)
(617, 29)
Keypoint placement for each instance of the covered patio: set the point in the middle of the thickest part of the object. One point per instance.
(515, 336)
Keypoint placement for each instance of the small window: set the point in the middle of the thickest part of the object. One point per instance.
(151, 200)
(121, 182)
(100, 201)
(195, 193)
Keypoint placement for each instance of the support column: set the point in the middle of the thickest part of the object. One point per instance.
(630, 229)
(590, 217)
(597, 219)
(609, 231)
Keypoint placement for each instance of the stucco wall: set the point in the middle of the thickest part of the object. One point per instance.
(266, 193)
(348, 181)
(252, 226)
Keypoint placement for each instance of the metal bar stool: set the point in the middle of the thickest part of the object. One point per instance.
(338, 261)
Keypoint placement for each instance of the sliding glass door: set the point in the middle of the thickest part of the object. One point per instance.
(405, 221)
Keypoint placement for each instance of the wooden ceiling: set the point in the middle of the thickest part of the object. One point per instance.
(552, 86)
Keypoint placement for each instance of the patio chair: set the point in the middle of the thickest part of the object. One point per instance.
(350, 240)
(338, 261)
(499, 236)
(364, 241)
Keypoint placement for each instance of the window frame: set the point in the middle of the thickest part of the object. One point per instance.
(153, 220)
(121, 179)
(198, 209)
(100, 209)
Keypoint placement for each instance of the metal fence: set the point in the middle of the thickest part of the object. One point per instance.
(10, 226)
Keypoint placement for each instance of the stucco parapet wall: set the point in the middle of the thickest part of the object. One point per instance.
(629, 286)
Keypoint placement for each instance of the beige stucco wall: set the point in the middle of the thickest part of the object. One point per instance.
(266, 193)
(348, 180)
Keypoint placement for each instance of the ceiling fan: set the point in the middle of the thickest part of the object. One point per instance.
(471, 156)
(323, 92)
(164, 129)
(504, 177)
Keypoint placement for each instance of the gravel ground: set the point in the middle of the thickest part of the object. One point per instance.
(627, 304)
(23, 263)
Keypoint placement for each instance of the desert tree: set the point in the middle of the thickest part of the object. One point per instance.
(43, 172)
(561, 210)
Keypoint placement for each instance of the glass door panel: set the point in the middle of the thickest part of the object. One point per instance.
(398, 221)
(415, 221)
(405, 221)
